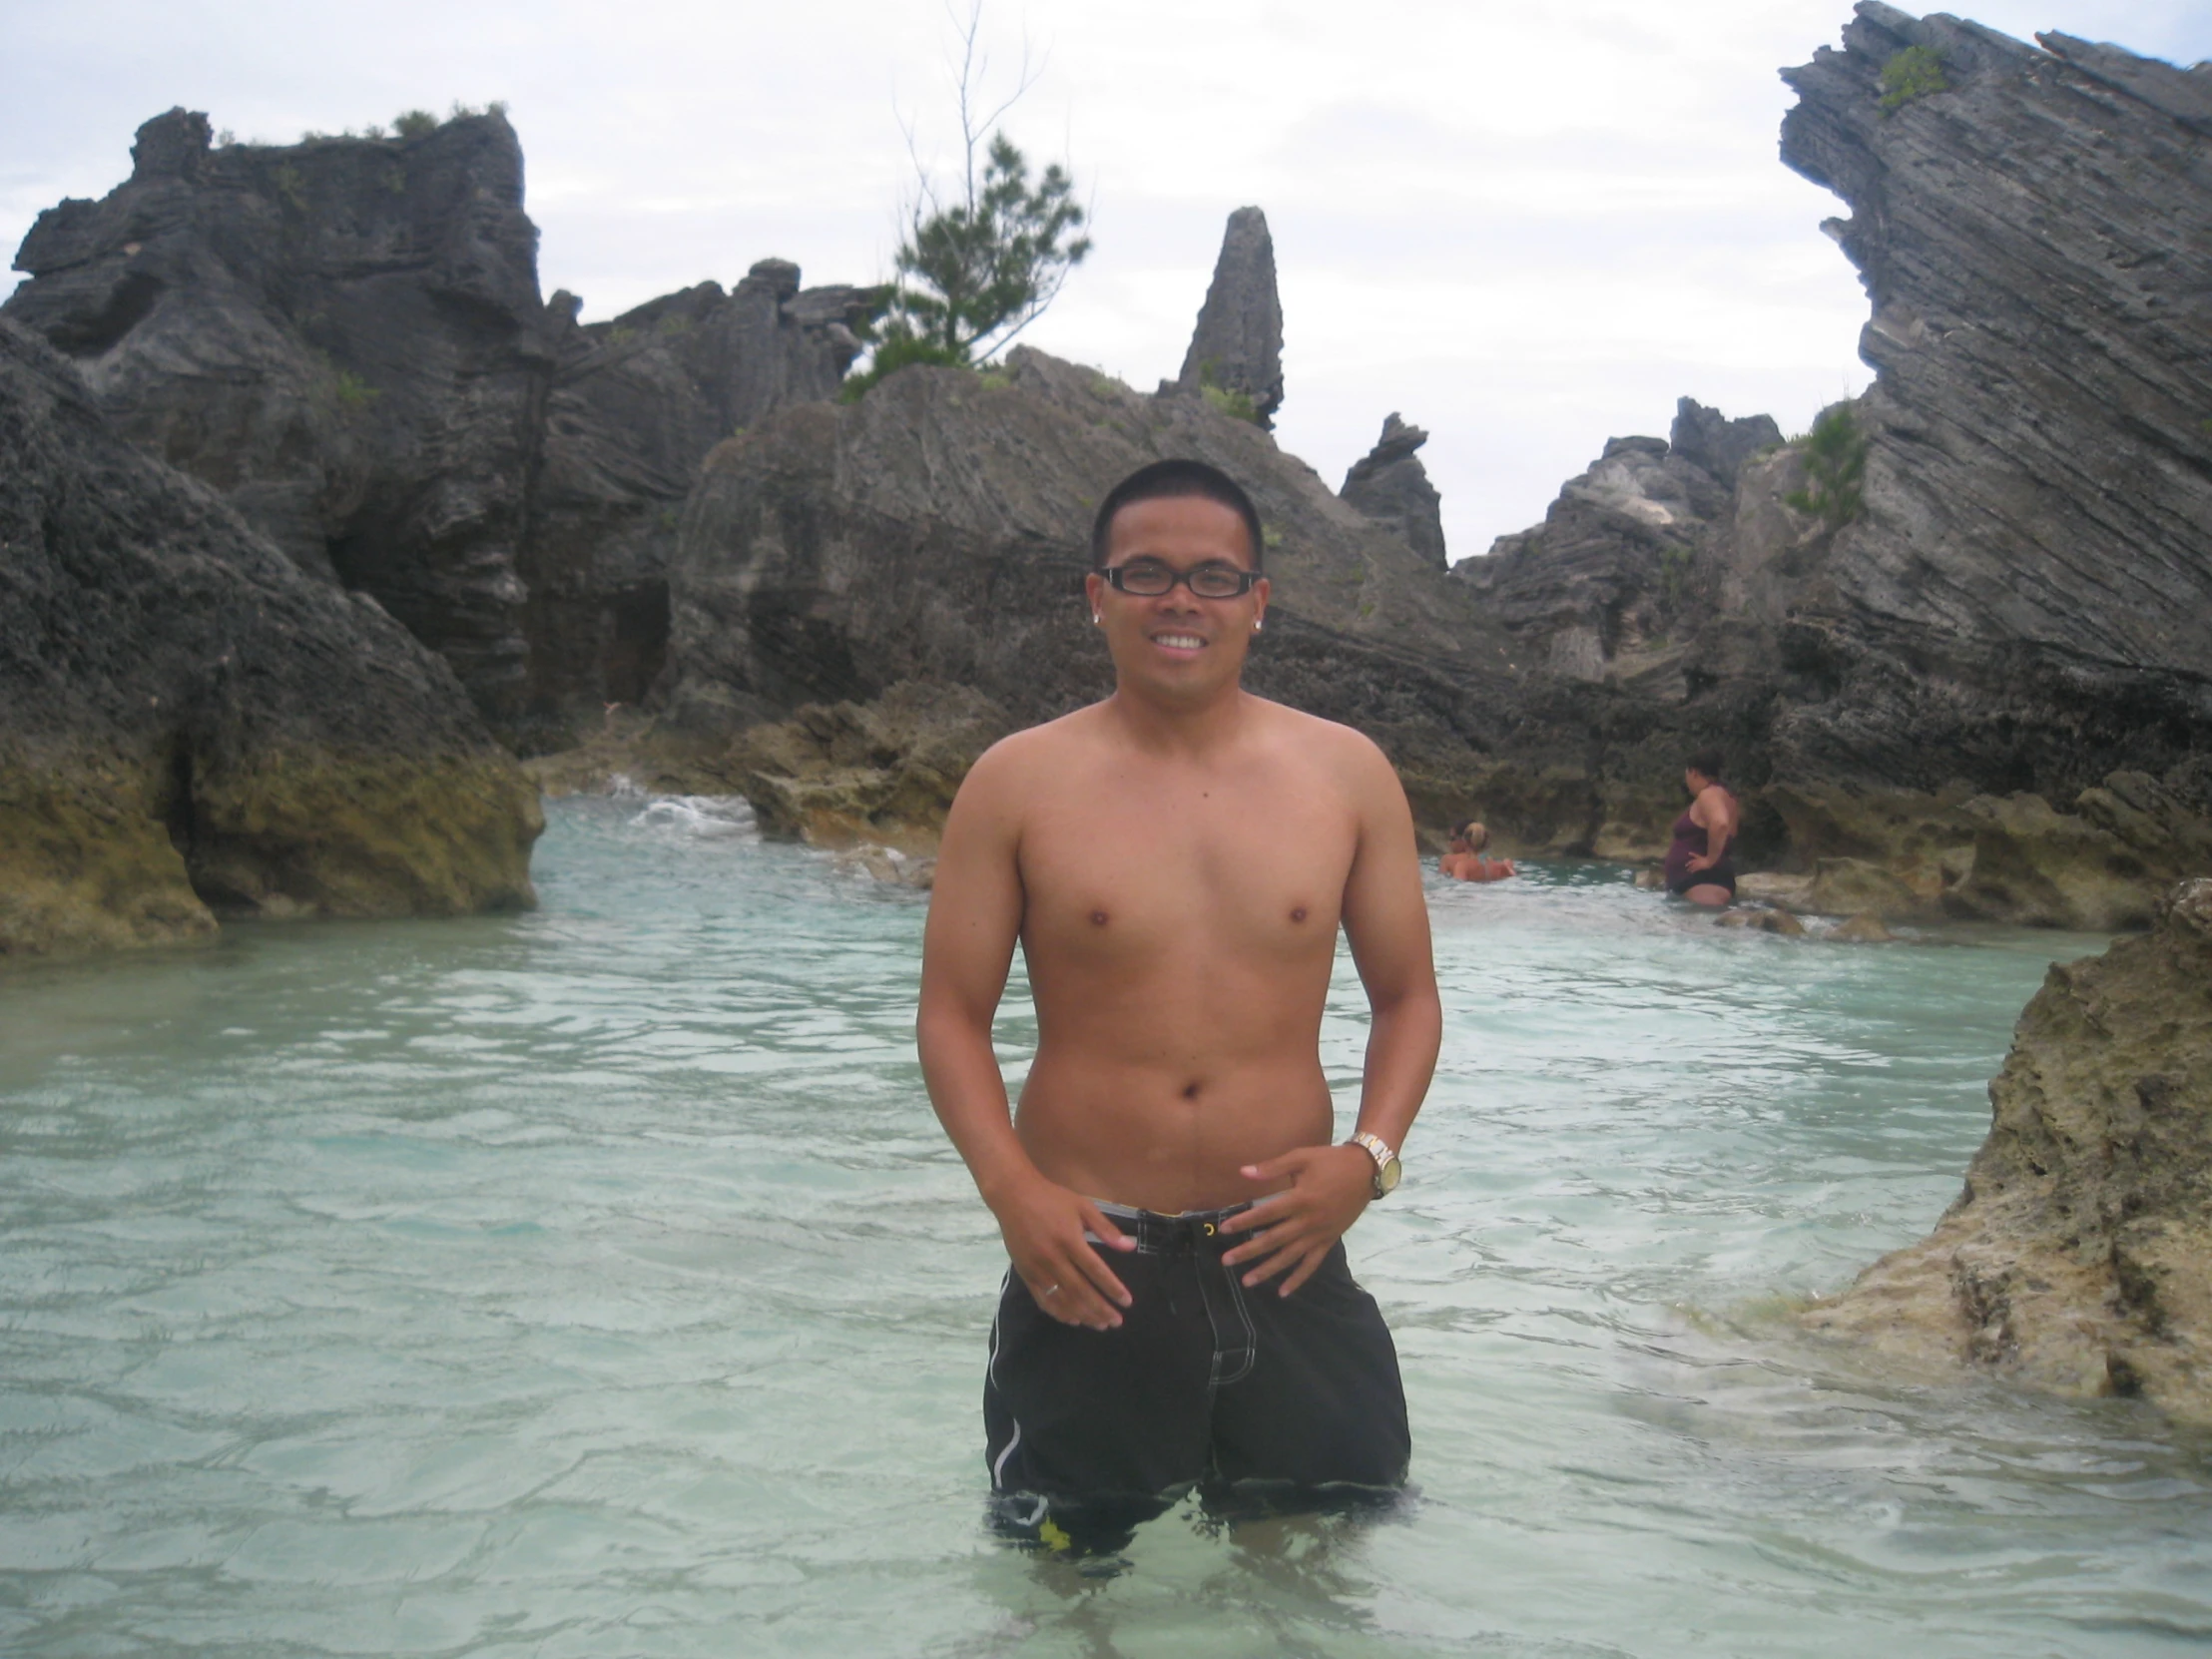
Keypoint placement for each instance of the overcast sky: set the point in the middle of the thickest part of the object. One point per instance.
(1528, 228)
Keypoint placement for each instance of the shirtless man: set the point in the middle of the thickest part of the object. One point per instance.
(1171, 1192)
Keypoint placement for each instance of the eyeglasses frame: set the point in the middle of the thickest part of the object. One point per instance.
(1245, 579)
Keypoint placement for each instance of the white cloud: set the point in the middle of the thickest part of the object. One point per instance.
(1528, 229)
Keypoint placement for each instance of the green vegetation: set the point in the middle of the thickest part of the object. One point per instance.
(414, 124)
(396, 178)
(899, 347)
(1915, 72)
(1675, 561)
(291, 185)
(986, 255)
(1835, 467)
(353, 391)
(1235, 404)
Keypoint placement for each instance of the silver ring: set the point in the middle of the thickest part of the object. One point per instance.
(1054, 1290)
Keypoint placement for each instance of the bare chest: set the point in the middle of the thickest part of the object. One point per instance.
(1130, 867)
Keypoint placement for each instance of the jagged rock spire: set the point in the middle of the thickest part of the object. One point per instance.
(1390, 485)
(1238, 345)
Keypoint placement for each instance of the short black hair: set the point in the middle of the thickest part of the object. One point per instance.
(1165, 480)
(1706, 762)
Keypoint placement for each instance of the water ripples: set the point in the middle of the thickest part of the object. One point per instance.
(597, 1282)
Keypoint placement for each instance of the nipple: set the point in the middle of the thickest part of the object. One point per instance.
(1299, 915)
(1098, 919)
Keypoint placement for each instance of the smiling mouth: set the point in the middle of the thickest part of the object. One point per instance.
(1179, 642)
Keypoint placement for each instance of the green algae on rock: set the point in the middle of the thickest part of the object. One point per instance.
(2079, 1257)
(192, 726)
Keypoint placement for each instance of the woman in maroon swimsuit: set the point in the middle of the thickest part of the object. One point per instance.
(1699, 866)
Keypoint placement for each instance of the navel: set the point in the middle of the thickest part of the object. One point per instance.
(1190, 1090)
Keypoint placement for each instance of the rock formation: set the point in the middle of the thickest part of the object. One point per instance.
(191, 727)
(341, 337)
(1390, 486)
(937, 531)
(2022, 605)
(2080, 1256)
(344, 338)
(632, 408)
(1988, 676)
(1237, 347)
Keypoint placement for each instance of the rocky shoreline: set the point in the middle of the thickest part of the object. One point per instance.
(2078, 1259)
(1969, 681)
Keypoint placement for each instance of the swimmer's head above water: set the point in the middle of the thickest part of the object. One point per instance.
(1471, 836)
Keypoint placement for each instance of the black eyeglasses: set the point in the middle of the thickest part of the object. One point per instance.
(1149, 579)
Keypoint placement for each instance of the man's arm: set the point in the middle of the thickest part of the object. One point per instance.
(1385, 917)
(975, 912)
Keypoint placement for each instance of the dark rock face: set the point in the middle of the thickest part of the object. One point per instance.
(2079, 1257)
(937, 531)
(1993, 681)
(1238, 345)
(633, 407)
(344, 338)
(340, 336)
(1708, 439)
(189, 725)
(1612, 584)
(2022, 604)
(1390, 486)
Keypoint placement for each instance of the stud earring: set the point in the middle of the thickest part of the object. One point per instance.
(1257, 624)
(1097, 620)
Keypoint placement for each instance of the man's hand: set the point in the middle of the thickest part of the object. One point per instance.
(1295, 1230)
(1043, 1223)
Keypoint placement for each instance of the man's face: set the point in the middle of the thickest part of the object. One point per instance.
(1178, 643)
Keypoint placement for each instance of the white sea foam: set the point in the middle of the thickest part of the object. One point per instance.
(699, 817)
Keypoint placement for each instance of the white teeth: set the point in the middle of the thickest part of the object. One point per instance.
(1180, 641)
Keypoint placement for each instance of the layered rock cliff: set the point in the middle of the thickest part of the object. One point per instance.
(344, 338)
(1959, 640)
(2080, 1256)
(191, 727)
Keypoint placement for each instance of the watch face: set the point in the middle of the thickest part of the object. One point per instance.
(1386, 1177)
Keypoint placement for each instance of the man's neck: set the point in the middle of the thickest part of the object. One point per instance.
(1193, 728)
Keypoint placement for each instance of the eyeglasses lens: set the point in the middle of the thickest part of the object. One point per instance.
(1147, 580)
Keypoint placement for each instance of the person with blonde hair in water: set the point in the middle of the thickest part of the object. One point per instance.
(1464, 860)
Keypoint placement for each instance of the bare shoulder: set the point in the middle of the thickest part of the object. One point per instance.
(1019, 766)
(1354, 757)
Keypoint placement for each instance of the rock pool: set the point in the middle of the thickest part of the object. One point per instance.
(596, 1281)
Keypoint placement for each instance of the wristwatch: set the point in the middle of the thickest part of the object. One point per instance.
(1386, 1167)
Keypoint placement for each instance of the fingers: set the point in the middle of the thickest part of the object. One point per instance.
(1076, 1287)
(1306, 1269)
(1107, 1233)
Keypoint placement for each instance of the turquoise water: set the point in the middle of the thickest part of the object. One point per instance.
(596, 1281)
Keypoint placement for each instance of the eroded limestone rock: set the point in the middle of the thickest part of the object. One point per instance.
(2079, 1257)
(1390, 486)
(192, 726)
(1237, 346)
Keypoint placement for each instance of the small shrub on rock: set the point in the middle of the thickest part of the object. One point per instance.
(415, 124)
(1835, 468)
(1915, 72)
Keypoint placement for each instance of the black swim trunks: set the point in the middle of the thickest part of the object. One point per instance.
(1255, 1398)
